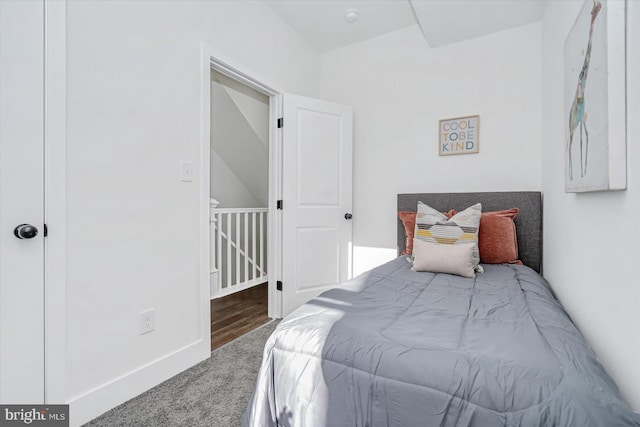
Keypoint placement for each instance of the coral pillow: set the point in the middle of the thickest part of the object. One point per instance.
(497, 237)
(409, 221)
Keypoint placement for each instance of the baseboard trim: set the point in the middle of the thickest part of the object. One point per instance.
(93, 403)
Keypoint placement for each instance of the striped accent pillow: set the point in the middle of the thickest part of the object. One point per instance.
(462, 229)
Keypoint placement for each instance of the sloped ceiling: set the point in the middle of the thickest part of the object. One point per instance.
(446, 22)
(442, 22)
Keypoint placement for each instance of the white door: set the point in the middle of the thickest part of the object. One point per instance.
(21, 202)
(316, 194)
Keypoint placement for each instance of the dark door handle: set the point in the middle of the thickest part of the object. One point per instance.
(348, 216)
(25, 231)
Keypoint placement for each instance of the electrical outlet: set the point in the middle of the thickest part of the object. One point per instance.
(147, 320)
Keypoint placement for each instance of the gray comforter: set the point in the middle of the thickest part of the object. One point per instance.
(395, 347)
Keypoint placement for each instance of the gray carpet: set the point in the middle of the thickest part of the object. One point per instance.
(213, 393)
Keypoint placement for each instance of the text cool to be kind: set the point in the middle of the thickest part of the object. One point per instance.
(458, 136)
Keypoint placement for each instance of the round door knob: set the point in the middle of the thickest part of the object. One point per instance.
(348, 216)
(25, 231)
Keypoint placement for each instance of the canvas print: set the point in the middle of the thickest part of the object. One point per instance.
(590, 143)
(459, 135)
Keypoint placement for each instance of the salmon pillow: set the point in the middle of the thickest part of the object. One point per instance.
(409, 221)
(497, 239)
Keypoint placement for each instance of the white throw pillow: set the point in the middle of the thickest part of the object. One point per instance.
(452, 259)
(461, 229)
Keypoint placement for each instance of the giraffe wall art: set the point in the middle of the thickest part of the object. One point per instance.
(592, 99)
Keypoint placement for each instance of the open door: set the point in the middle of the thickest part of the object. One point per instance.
(22, 202)
(316, 190)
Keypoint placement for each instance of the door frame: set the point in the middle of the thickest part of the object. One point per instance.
(55, 196)
(213, 59)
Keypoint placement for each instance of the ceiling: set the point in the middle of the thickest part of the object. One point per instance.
(442, 22)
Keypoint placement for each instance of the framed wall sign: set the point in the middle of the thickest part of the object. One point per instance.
(459, 135)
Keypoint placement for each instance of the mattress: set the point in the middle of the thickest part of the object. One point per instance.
(394, 347)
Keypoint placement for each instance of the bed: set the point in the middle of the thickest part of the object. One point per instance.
(396, 347)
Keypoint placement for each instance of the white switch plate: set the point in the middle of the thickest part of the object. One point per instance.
(186, 171)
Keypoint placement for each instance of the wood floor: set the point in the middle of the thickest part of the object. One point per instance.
(237, 314)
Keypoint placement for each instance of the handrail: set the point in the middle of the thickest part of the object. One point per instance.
(241, 210)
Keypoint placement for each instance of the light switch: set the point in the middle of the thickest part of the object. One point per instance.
(186, 171)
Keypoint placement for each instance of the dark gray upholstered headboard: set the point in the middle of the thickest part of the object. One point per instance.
(528, 222)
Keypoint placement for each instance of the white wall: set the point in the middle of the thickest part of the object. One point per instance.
(239, 144)
(227, 188)
(133, 239)
(592, 240)
(400, 88)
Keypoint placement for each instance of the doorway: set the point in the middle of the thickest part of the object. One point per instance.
(239, 207)
(309, 215)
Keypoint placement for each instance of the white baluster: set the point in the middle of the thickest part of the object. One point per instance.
(237, 240)
(213, 249)
(219, 249)
(261, 244)
(253, 247)
(246, 246)
(229, 271)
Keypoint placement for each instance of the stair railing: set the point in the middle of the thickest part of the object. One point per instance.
(238, 249)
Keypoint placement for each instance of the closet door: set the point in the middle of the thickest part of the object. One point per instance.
(21, 202)
(317, 199)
